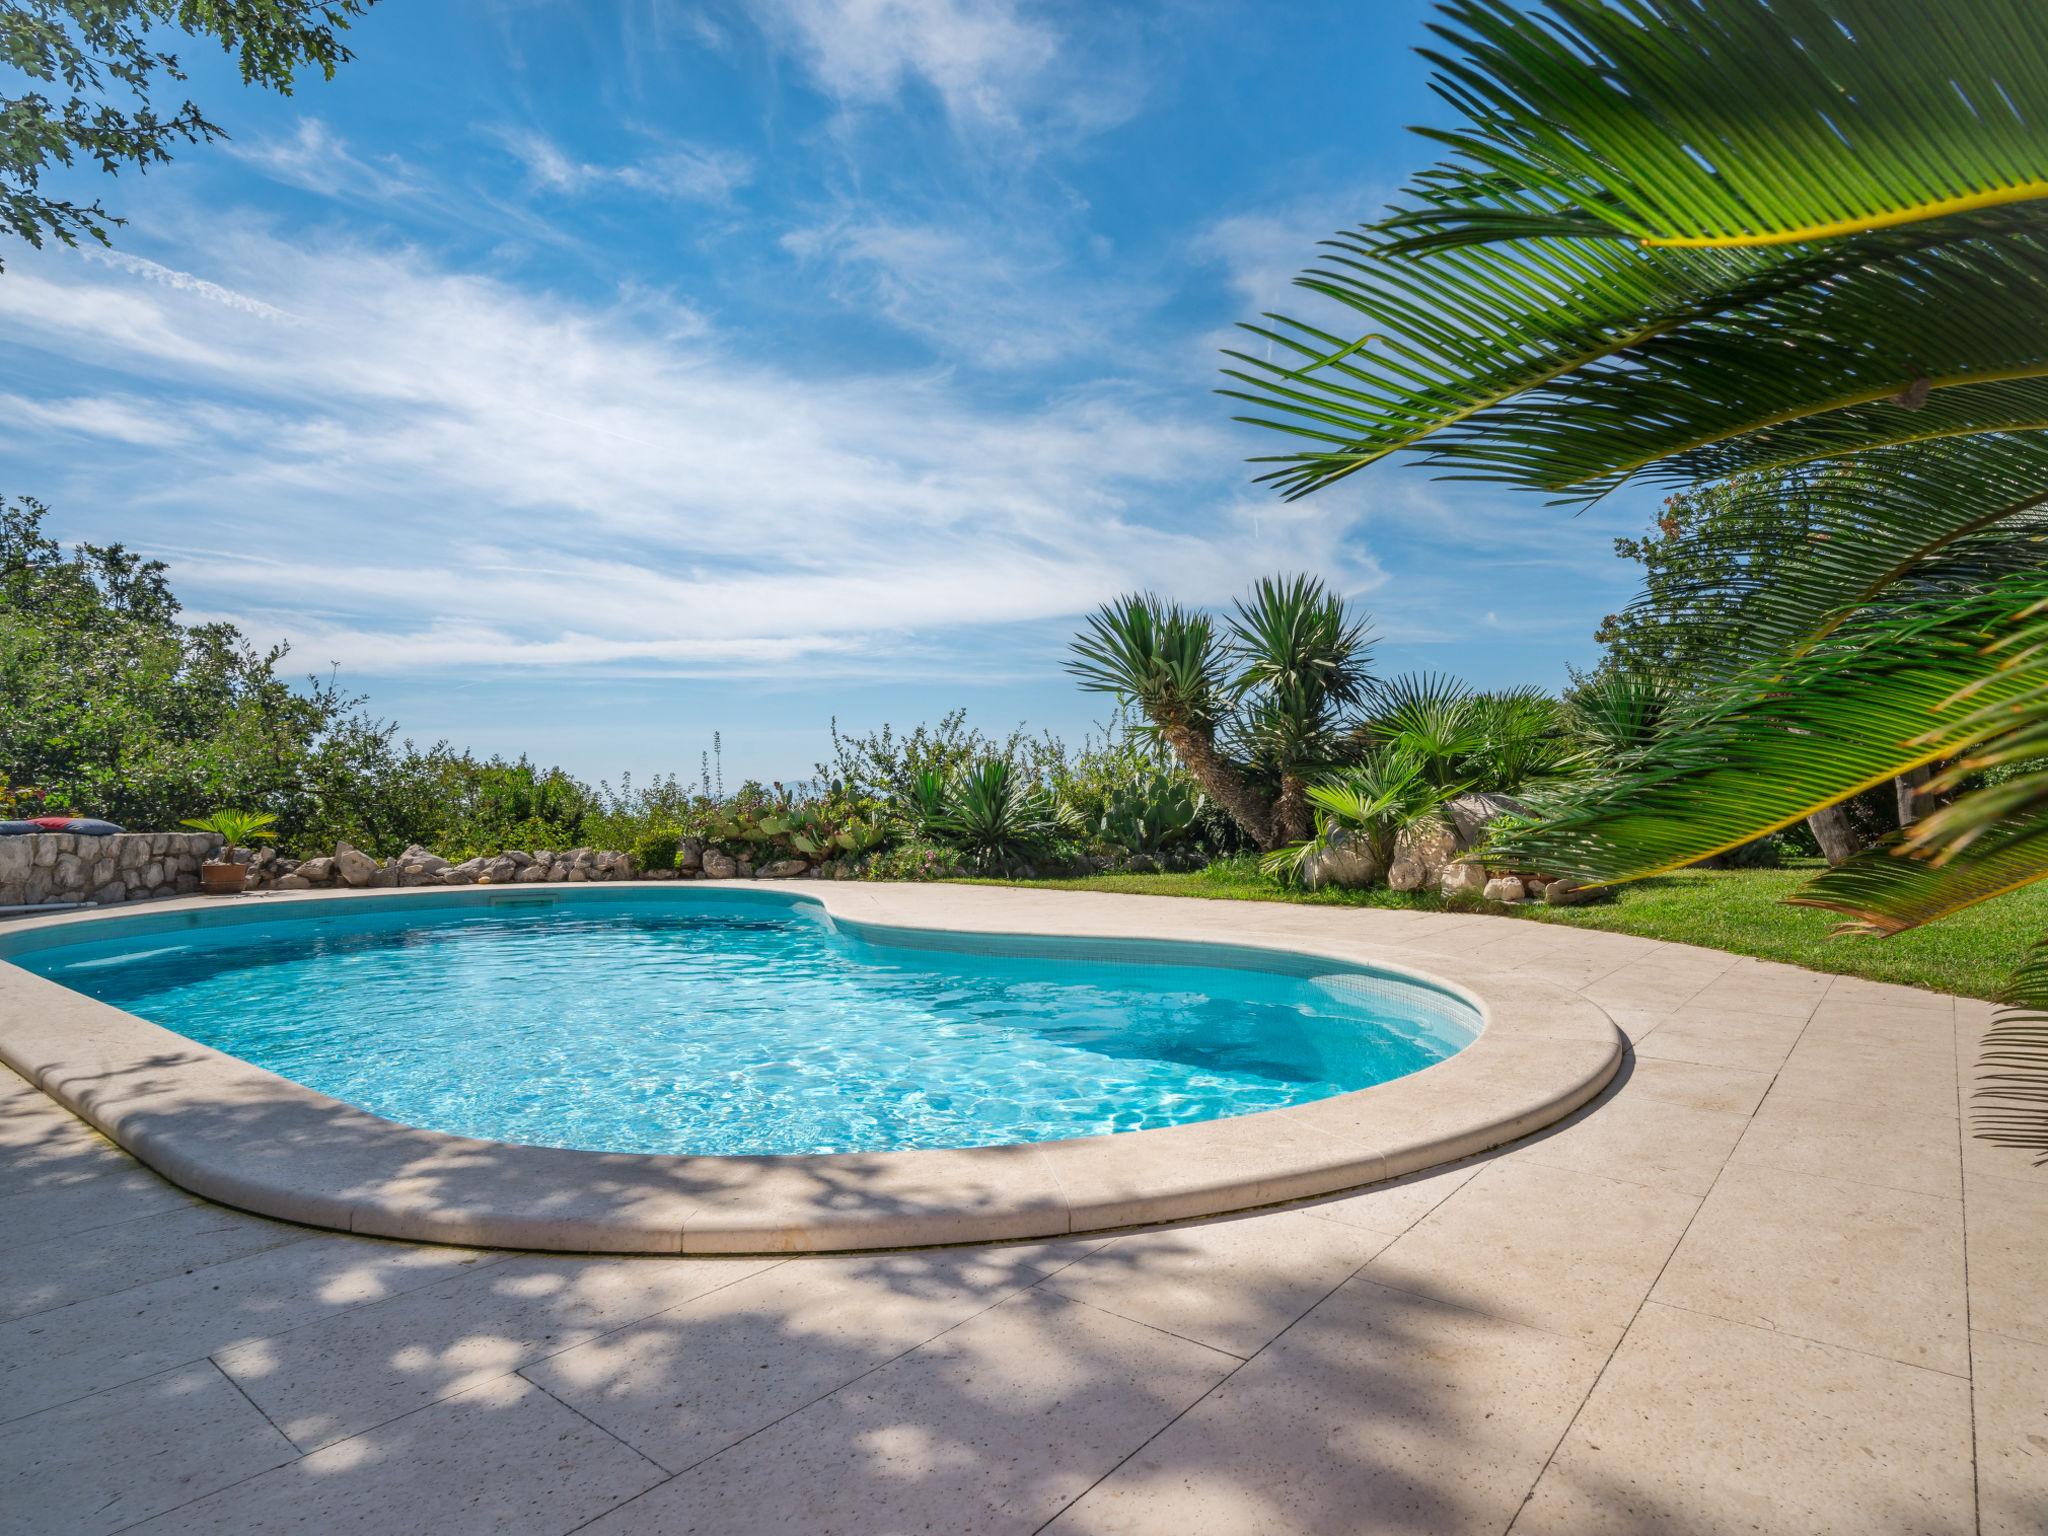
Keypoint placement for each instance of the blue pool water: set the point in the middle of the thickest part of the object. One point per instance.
(713, 1023)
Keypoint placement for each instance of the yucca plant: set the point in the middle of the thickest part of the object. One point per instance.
(1675, 241)
(1270, 698)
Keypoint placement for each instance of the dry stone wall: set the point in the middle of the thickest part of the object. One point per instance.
(41, 867)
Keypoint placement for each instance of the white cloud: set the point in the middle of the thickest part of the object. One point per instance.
(317, 159)
(406, 466)
(684, 172)
(114, 418)
(981, 57)
(993, 294)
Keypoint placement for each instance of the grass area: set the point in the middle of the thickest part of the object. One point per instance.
(1739, 910)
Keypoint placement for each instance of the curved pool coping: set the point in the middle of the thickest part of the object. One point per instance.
(248, 1138)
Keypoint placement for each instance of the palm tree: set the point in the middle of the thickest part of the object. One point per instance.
(1375, 800)
(1301, 666)
(1674, 242)
(1268, 699)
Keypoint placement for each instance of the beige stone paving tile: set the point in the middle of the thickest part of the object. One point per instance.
(1554, 1248)
(61, 1271)
(1570, 970)
(684, 1384)
(1886, 1076)
(2007, 1220)
(1880, 1270)
(55, 1356)
(1640, 1140)
(1738, 1016)
(991, 1428)
(1772, 986)
(2010, 1378)
(1743, 1050)
(1885, 994)
(1982, 1158)
(1379, 1412)
(501, 1458)
(117, 1192)
(1864, 1143)
(344, 1374)
(107, 1461)
(1645, 984)
(1876, 1027)
(1638, 1022)
(1395, 1206)
(1698, 1084)
(43, 1144)
(1232, 1285)
(1703, 1427)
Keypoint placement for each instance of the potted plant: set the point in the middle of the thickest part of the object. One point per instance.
(223, 876)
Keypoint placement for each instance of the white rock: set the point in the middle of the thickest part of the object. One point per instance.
(781, 869)
(1406, 875)
(1344, 860)
(1462, 875)
(352, 866)
(1504, 888)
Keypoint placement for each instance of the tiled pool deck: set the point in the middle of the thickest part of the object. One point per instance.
(1764, 1283)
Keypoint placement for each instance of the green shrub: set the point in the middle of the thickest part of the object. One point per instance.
(916, 861)
(655, 849)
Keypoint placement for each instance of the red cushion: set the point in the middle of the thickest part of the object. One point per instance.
(53, 823)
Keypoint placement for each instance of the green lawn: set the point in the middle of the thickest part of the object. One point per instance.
(1741, 911)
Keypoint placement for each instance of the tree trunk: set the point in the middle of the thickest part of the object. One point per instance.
(1831, 830)
(1293, 821)
(1222, 783)
(1909, 785)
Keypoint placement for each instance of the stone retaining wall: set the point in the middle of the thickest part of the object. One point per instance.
(125, 866)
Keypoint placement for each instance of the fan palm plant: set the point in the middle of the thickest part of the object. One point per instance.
(1375, 801)
(1674, 241)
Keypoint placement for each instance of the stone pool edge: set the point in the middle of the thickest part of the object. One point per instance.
(248, 1138)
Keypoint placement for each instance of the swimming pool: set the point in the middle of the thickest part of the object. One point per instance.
(671, 1020)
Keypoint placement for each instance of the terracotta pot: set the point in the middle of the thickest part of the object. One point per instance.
(223, 879)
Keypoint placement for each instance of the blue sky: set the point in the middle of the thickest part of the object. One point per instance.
(580, 379)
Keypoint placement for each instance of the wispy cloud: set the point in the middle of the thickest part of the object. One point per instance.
(315, 158)
(982, 58)
(684, 172)
(995, 294)
(444, 470)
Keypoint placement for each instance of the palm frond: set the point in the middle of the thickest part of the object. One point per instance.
(1900, 688)
(1752, 125)
(2012, 1068)
(1775, 367)
(1888, 890)
(1905, 515)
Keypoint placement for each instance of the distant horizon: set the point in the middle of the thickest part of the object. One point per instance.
(579, 388)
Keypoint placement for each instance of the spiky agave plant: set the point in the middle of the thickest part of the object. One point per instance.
(1674, 242)
(993, 812)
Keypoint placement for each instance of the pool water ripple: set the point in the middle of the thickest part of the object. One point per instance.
(690, 1024)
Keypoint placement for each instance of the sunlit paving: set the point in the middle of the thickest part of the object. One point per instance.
(1498, 984)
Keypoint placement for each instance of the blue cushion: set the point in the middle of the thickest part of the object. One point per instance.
(17, 828)
(86, 826)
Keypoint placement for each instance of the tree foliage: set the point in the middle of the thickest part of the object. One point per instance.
(1801, 244)
(97, 71)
